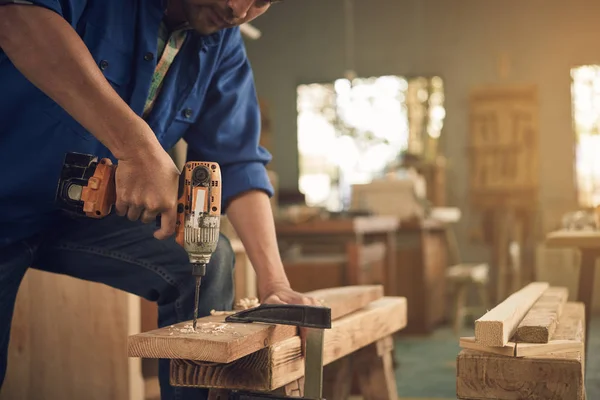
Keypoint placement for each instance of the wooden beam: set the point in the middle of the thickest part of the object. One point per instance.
(217, 341)
(282, 363)
(539, 323)
(568, 336)
(498, 325)
(348, 299)
(470, 343)
(513, 349)
(488, 376)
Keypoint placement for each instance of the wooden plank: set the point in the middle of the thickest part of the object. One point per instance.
(498, 325)
(571, 326)
(217, 341)
(282, 363)
(540, 322)
(567, 338)
(552, 347)
(348, 299)
(513, 349)
(470, 343)
(486, 376)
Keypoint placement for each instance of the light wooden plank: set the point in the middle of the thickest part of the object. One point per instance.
(552, 347)
(348, 299)
(282, 363)
(567, 338)
(550, 376)
(498, 325)
(540, 322)
(470, 343)
(217, 341)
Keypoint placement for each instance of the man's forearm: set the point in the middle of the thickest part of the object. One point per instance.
(51, 55)
(252, 217)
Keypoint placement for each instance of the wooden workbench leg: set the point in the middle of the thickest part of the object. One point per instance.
(586, 286)
(375, 372)
(337, 379)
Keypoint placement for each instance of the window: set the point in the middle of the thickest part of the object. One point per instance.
(586, 120)
(352, 131)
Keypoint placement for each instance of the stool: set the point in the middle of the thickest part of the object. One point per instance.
(461, 278)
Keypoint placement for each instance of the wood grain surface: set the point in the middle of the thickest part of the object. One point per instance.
(540, 322)
(282, 363)
(497, 326)
(217, 341)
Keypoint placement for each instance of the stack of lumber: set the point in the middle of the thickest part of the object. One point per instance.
(266, 357)
(529, 346)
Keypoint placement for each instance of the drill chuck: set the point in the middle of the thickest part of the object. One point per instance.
(199, 269)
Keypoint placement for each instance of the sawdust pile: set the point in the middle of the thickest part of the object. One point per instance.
(216, 328)
(242, 304)
(211, 328)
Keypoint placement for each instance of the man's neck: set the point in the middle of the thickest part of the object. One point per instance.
(174, 14)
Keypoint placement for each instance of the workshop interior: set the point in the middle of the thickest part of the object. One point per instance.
(436, 167)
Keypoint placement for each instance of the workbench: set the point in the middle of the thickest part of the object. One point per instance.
(267, 358)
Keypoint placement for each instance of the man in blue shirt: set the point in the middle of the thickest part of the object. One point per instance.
(127, 80)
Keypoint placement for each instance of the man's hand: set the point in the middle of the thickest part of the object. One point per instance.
(147, 185)
(282, 294)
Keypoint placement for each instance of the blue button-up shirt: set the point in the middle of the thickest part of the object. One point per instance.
(208, 98)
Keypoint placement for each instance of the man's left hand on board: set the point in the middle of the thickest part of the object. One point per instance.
(284, 294)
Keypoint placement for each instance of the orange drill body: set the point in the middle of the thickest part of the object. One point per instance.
(199, 208)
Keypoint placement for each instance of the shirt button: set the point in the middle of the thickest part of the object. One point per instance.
(103, 65)
(148, 56)
(187, 112)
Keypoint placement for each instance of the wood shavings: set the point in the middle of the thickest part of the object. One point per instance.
(211, 328)
(242, 304)
(247, 303)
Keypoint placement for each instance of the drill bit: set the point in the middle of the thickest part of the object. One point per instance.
(198, 270)
(197, 300)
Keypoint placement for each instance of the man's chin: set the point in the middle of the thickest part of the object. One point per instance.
(198, 19)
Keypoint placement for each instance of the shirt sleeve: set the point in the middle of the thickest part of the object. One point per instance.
(228, 129)
(69, 9)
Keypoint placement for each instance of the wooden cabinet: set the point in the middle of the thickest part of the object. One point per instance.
(421, 270)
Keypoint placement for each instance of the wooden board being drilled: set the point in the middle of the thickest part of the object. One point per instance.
(497, 326)
(282, 363)
(539, 323)
(487, 376)
(217, 341)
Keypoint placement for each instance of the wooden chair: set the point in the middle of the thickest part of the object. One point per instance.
(461, 278)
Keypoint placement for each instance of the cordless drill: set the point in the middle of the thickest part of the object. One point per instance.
(87, 187)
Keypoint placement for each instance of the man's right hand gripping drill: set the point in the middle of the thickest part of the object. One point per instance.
(48, 51)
